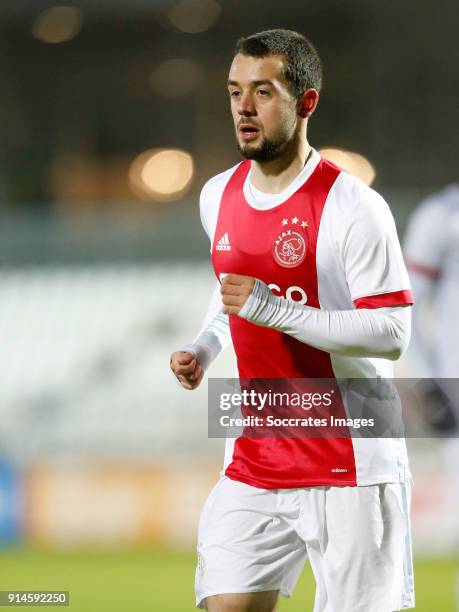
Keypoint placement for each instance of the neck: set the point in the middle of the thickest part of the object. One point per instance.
(274, 176)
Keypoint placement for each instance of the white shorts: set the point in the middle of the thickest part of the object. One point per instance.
(357, 540)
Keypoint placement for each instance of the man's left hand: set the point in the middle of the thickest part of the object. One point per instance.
(235, 291)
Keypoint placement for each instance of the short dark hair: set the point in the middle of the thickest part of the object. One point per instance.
(303, 68)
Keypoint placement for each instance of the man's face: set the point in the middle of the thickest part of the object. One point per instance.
(264, 111)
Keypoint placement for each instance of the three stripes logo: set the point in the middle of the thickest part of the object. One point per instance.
(223, 244)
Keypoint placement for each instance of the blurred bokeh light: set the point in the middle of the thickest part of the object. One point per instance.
(194, 16)
(58, 24)
(354, 163)
(161, 175)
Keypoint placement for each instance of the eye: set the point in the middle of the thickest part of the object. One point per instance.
(235, 93)
(263, 92)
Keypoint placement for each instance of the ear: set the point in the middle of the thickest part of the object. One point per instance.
(307, 103)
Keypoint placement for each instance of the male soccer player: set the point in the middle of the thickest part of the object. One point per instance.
(313, 285)
(432, 255)
(431, 248)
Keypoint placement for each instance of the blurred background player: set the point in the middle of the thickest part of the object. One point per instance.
(267, 512)
(431, 247)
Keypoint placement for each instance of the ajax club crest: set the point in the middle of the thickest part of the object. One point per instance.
(289, 247)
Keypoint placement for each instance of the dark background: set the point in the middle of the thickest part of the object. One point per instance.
(390, 93)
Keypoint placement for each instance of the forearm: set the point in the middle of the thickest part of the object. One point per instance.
(382, 332)
(211, 340)
(214, 335)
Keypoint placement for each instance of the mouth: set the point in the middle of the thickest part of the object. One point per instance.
(248, 132)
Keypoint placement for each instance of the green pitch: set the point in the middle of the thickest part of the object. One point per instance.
(162, 581)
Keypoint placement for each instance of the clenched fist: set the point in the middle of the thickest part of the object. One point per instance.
(235, 291)
(187, 369)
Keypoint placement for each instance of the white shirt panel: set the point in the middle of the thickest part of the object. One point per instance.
(358, 245)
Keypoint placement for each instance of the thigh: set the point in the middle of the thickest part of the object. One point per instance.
(242, 602)
(363, 562)
(244, 546)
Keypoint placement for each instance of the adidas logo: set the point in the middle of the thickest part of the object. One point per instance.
(223, 244)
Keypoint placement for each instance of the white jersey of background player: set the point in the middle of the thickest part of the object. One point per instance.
(431, 249)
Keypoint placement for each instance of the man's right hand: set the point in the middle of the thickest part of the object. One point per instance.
(187, 369)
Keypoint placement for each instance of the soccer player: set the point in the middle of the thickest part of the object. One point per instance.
(311, 284)
(432, 254)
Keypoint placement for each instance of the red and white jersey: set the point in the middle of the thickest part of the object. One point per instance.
(327, 241)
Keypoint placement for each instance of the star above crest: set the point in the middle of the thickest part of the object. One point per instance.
(295, 221)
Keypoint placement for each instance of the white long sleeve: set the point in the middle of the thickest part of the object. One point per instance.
(214, 335)
(381, 332)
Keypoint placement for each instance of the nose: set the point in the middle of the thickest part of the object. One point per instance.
(246, 107)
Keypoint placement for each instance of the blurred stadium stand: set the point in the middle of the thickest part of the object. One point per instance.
(90, 346)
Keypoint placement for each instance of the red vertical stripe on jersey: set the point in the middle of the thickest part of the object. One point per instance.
(266, 353)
